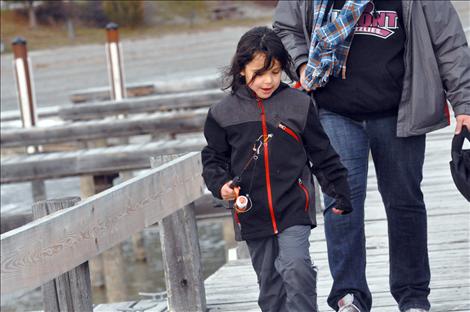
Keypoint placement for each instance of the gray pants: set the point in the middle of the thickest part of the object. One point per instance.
(286, 277)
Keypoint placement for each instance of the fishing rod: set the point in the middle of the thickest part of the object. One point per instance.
(243, 203)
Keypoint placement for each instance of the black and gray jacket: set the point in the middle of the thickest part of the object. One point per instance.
(279, 182)
(436, 59)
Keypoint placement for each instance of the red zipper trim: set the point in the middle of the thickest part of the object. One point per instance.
(266, 165)
(302, 186)
(446, 112)
(297, 85)
(289, 131)
(235, 215)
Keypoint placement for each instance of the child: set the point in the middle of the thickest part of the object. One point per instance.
(263, 136)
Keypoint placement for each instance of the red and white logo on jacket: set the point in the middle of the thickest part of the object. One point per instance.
(382, 25)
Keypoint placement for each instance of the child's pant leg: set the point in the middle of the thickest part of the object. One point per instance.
(295, 266)
(272, 295)
(286, 277)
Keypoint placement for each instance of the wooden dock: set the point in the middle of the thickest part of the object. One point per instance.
(233, 287)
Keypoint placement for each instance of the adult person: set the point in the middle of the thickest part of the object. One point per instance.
(380, 73)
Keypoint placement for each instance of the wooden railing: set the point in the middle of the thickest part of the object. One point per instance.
(44, 249)
(191, 121)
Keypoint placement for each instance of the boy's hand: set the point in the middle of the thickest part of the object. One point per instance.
(229, 193)
(337, 211)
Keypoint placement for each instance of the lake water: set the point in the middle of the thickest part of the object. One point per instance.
(140, 276)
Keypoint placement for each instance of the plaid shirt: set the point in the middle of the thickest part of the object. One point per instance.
(331, 41)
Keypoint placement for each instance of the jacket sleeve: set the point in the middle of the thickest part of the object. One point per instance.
(452, 52)
(327, 167)
(288, 25)
(215, 156)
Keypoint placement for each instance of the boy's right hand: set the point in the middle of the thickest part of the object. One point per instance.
(228, 193)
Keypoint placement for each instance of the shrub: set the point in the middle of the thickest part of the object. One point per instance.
(91, 13)
(125, 13)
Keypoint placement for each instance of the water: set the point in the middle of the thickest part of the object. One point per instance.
(141, 276)
(17, 197)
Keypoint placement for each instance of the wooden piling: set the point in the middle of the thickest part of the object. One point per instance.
(87, 189)
(182, 260)
(114, 274)
(137, 239)
(115, 66)
(70, 291)
(113, 258)
(27, 103)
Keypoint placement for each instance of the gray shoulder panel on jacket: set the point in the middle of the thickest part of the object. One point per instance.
(232, 110)
(287, 105)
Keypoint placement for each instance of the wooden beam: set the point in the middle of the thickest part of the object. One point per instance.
(39, 251)
(70, 291)
(93, 161)
(43, 112)
(146, 88)
(182, 260)
(100, 95)
(191, 121)
(155, 103)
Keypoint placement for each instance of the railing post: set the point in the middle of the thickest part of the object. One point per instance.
(27, 102)
(70, 291)
(115, 67)
(24, 83)
(182, 260)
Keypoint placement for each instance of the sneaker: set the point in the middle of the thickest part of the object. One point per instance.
(346, 304)
(416, 310)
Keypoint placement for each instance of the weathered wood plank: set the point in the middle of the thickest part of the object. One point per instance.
(182, 260)
(93, 161)
(148, 104)
(190, 121)
(70, 291)
(61, 241)
(449, 247)
(160, 87)
(141, 305)
(43, 112)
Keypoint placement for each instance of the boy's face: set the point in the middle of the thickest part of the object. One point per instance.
(266, 83)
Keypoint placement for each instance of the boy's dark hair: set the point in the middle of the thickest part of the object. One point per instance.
(256, 40)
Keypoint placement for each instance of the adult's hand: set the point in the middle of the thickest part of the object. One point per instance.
(338, 211)
(302, 77)
(462, 120)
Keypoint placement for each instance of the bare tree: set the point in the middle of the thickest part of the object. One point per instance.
(31, 11)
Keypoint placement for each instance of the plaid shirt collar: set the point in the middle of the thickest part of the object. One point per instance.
(331, 41)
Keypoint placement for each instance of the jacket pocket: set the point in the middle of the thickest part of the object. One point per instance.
(289, 131)
(305, 191)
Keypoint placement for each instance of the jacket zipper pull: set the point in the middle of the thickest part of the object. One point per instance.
(300, 181)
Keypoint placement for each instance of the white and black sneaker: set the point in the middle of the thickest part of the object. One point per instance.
(346, 304)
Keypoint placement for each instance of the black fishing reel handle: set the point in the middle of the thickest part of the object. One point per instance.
(235, 182)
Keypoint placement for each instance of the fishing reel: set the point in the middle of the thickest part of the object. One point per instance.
(242, 203)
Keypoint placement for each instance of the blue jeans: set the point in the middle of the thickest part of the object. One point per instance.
(399, 166)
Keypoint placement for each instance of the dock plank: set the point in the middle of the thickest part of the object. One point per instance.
(448, 241)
